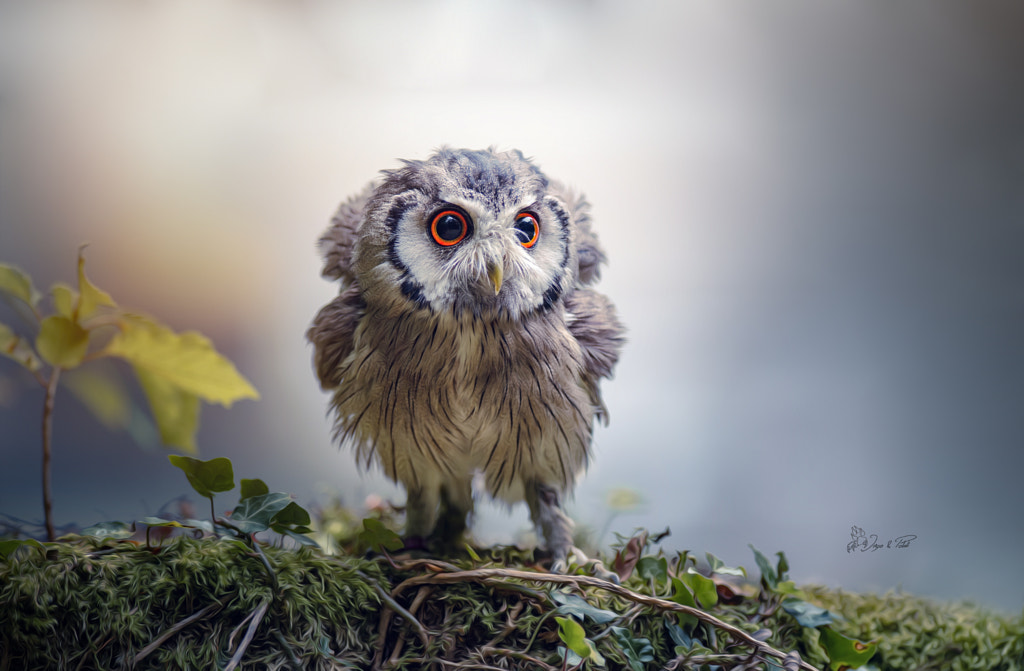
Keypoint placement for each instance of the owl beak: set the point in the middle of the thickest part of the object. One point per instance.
(494, 273)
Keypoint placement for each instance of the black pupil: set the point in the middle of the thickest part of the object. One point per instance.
(526, 228)
(448, 227)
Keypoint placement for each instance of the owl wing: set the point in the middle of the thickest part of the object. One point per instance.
(333, 334)
(588, 250)
(595, 325)
(339, 240)
(334, 327)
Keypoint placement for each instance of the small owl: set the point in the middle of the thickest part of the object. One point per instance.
(465, 338)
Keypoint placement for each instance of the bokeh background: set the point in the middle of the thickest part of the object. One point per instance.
(814, 214)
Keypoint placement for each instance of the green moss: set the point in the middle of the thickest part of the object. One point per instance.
(82, 604)
(917, 633)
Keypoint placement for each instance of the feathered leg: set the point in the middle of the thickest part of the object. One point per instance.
(554, 525)
(456, 505)
(556, 528)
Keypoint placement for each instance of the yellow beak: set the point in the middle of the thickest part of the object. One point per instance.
(495, 275)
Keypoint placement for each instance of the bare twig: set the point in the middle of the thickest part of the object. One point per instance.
(385, 619)
(159, 640)
(489, 576)
(254, 623)
(51, 393)
(487, 650)
(413, 607)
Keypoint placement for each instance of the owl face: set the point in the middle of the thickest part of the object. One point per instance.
(467, 231)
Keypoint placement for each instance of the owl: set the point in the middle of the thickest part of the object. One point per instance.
(465, 342)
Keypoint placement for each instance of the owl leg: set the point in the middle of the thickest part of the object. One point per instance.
(555, 526)
(421, 505)
(456, 505)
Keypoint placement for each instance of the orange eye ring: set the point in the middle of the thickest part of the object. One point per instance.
(448, 227)
(527, 229)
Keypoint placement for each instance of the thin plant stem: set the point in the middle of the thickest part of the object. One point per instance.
(51, 393)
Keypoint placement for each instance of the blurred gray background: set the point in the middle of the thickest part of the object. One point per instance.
(814, 214)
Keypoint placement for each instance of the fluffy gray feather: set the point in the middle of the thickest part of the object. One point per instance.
(463, 339)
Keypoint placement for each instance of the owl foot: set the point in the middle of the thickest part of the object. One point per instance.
(414, 544)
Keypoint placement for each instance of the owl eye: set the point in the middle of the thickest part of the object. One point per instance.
(527, 229)
(448, 227)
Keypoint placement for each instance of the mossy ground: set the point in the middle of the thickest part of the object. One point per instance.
(85, 604)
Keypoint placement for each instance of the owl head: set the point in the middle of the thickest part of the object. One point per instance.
(479, 232)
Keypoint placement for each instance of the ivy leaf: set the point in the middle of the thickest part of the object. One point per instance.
(703, 588)
(102, 395)
(61, 342)
(681, 594)
(17, 348)
(573, 605)
(175, 410)
(845, 652)
(254, 487)
(653, 568)
(65, 299)
(15, 282)
(206, 477)
(719, 567)
(253, 514)
(186, 360)
(575, 638)
(8, 547)
(160, 522)
(292, 515)
(807, 614)
(90, 296)
(116, 530)
(626, 558)
(378, 537)
(300, 537)
(768, 575)
(638, 651)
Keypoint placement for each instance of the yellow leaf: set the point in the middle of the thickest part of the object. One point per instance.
(176, 411)
(64, 299)
(15, 347)
(91, 296)
(17, 283)
(185, 360)
(61, 342)
(102, 395)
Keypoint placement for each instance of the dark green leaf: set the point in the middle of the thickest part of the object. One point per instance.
(378, 537)
(782, 566)
(843, 651)
(292, 515)
(206, 477)
(570, 604)
(253, 515)
(109, 530)
(682, 595)
(253, 487)
(638, 651)
(679, 637)
(653, 568)
(768, 575)
(9, 546)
